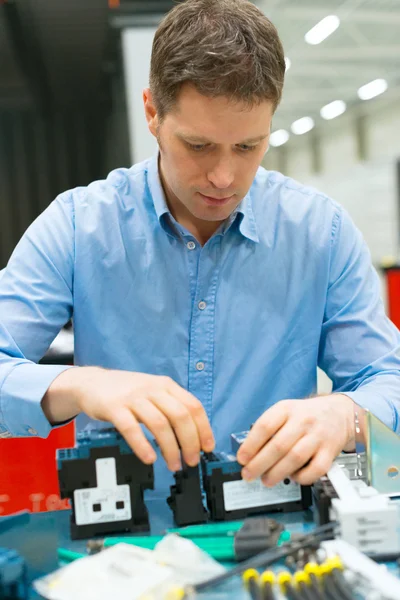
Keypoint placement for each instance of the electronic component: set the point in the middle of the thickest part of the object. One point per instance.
(105, 482)
(231, 497)
(368, 520)
(237, 440)
(355, 464)
(13, 576)
(186, 501)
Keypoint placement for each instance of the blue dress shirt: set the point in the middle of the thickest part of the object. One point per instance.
(284, 285)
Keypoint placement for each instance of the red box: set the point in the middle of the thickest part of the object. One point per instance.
(28, 472)
(393, 294)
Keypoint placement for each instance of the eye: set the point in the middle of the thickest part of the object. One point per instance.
(197, 147)
(246, 148)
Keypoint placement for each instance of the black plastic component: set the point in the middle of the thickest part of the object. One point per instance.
(185, 500)
(219, 468)
(77, 473)
(256, 535)
(322, 494)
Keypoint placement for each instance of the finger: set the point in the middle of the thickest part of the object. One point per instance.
(129, 428)
(274, 451)
(319, 466)
(295, 459)
(178, 414)
(206, 436)
(156, 422)
(262, 431)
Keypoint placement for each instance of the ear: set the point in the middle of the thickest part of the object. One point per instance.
(150, 111)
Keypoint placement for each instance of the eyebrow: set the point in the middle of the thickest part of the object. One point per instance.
(200, 140)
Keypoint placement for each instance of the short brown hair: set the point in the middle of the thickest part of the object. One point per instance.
(223, 47)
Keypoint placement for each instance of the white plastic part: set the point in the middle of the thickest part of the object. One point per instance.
(368, 520)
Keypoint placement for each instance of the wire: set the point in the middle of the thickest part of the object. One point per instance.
(313, 571)
(333, 589)
(285, 584)
(251, 581)
(267, 581)
(268, 557)
(303, 583)
(335, 573)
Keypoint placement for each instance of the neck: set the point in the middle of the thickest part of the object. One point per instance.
(201, 230)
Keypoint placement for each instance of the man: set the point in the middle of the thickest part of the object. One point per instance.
(204, 290)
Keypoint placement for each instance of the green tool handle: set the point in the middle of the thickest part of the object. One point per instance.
(220, 548)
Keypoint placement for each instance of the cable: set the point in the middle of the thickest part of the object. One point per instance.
(303, 583)
(268, 557)
(267, 581)
(312, 570)
(251, 579)
(336, 574)
(285, 584)
(330, 586)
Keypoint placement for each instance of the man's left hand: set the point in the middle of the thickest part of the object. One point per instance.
(298, 439)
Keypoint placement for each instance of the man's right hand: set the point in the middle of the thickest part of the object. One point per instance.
(175, 417)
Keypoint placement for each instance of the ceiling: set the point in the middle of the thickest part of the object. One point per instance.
(366, 46)
(59, 47)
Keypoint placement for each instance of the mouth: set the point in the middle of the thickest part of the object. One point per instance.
(211, 201)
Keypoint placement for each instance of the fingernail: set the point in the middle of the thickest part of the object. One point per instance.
(150, 457)
(177, 466)
(247, 475)
(193, 460)
(243, 458)
(209, 445)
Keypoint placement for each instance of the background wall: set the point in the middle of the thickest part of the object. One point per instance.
(136, 51)
(353, 159)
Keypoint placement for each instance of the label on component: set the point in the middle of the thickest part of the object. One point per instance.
(105, 503)
(244, 494)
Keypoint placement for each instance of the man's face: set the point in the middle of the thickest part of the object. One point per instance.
(210, 149)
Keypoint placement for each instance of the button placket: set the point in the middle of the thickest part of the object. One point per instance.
(201, 349)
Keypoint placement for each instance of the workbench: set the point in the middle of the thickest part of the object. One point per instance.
(37, 536)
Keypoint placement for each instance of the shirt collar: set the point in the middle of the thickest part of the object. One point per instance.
(243, 213)
(156, 189)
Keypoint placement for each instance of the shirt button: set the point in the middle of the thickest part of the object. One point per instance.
(200, 366)
(32, 431)
(202, 305)
(191, 245)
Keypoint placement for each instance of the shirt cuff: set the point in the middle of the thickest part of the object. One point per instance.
(21, 396)
(378, 406)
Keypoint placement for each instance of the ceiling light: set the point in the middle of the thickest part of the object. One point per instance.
(322, 30)
(288, 63)
(302, 125)
(372, 89)
(279, 137)
(333, 109)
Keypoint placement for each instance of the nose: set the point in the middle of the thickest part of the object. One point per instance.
(221, 175)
